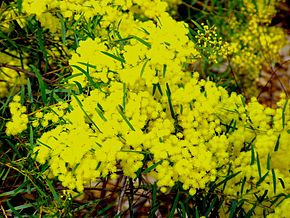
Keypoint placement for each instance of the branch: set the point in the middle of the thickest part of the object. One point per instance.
(18, 69)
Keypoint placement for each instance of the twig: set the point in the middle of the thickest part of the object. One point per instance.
(121, 197)
(4, 213)
(18, 69)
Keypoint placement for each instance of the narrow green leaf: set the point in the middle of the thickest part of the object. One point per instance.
(277, 143)
(63, 29)
(81, 106)
(282, 182)
(120, 110)
(7, 38)
(147, 44)
(172, 211)
(149, 169)
(234, 205)
(227, 179)
(143, 68)
(283, 113)
(13, 209)
(124, 96)
(243, 185)
(29, 91)
(40, 40)
(196, 213)
(87, 74)
(197, 25)
(168, 93)
(19, 6)
(268, 161)
(157, 85)
(88, 65)
(31, 137)
(274, 180)
(81, 90)
(252, 155)
(114, 56)
(54, 193)
(212, 205)
(262, 179)
(100, 112)
(259, 165)
(154, 201)
(164, 70)
(42, 85)
(261, 199)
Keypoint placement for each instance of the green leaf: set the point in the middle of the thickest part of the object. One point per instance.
(13, 209)
(42, 85)
(81, 106)
(234, 205)
(268, 161)
(143, 68)
(19, 6)
(197, 25)
(31, 137)
(243, 184)
(227, 179)
(172, 211)
(157, 85)
(54, 193)
(283, 113)
(120, 110)
(88, 65)
(154, 201)
(168, 93)
(124, 96)
(274, 180)
(100, 112)
(164, 70)
(282, 182)
(81, 90)
(262, 179)
(196, 213)
(87, 74)
(147, 44)
(63, 29)
(41, 43)
(259, 165)
(29, 91)
(149, 169)
(277, 143)
(252, 155)
(114, 56)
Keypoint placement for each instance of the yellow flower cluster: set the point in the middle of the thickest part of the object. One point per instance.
(9, 78)
(111, 11)
(261, 151)
(52, 115)
(19, 119)
(254, 44)
(144, 110)
(212, 46)
(152, 51)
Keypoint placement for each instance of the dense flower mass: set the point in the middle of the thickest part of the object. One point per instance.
(19, 119)
(134, 105)
(256, 43)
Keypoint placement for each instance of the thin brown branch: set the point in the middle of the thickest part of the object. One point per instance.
(26, 72)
